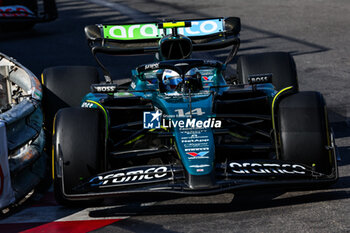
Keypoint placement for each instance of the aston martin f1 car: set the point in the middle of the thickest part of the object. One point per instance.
(19, 14)
(22, 161)
(180, 126)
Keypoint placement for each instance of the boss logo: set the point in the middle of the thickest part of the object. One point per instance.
(103, 88)
(260, 78)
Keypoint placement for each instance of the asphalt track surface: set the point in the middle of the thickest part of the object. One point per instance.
(317, 33)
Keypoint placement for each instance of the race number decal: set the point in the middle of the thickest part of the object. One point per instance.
(195, 112)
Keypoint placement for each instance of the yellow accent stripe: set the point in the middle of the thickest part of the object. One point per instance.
(53, 149)
(140, 136)
(236, 135)
(137, 138)
(273, 114)
(53, 163)
(134, 140)
(42, 78)
(173, 25)
(104, 111)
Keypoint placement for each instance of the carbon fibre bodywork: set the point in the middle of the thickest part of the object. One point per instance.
(206, 135)
(238, 155)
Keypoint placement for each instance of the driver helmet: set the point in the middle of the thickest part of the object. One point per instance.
(171, 79)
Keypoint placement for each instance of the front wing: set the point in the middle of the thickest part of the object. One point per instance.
(230, 176)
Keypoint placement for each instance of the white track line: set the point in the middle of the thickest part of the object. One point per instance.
(136, 15)
(45, 214)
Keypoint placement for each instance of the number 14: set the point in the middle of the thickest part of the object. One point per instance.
(196, 111)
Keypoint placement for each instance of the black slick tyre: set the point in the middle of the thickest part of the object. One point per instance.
(63, 86)
(280, 64)
(78, 150)
(304, 132)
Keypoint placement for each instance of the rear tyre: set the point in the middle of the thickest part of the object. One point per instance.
(304, 131)
(65, 86)
(79, 148)
(280, 64)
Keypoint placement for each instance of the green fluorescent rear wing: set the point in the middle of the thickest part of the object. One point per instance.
(202, 27)
(143, 38)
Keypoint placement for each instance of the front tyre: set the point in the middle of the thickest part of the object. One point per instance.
(304, 131)
(79, 149)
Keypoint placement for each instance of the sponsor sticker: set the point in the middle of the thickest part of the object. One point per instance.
(123, 177)
(192, 123)
(87, 105)
(260, 78)
(151, 31)
(207, 78)
(152, 66)
(200, 166)
(123, 94)
(103, 88)
(267, 168)
(195, 154)
(151, 120)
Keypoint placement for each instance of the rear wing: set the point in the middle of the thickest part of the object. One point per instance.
(141, 38)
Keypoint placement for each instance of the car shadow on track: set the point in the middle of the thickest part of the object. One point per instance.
(237, 204)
